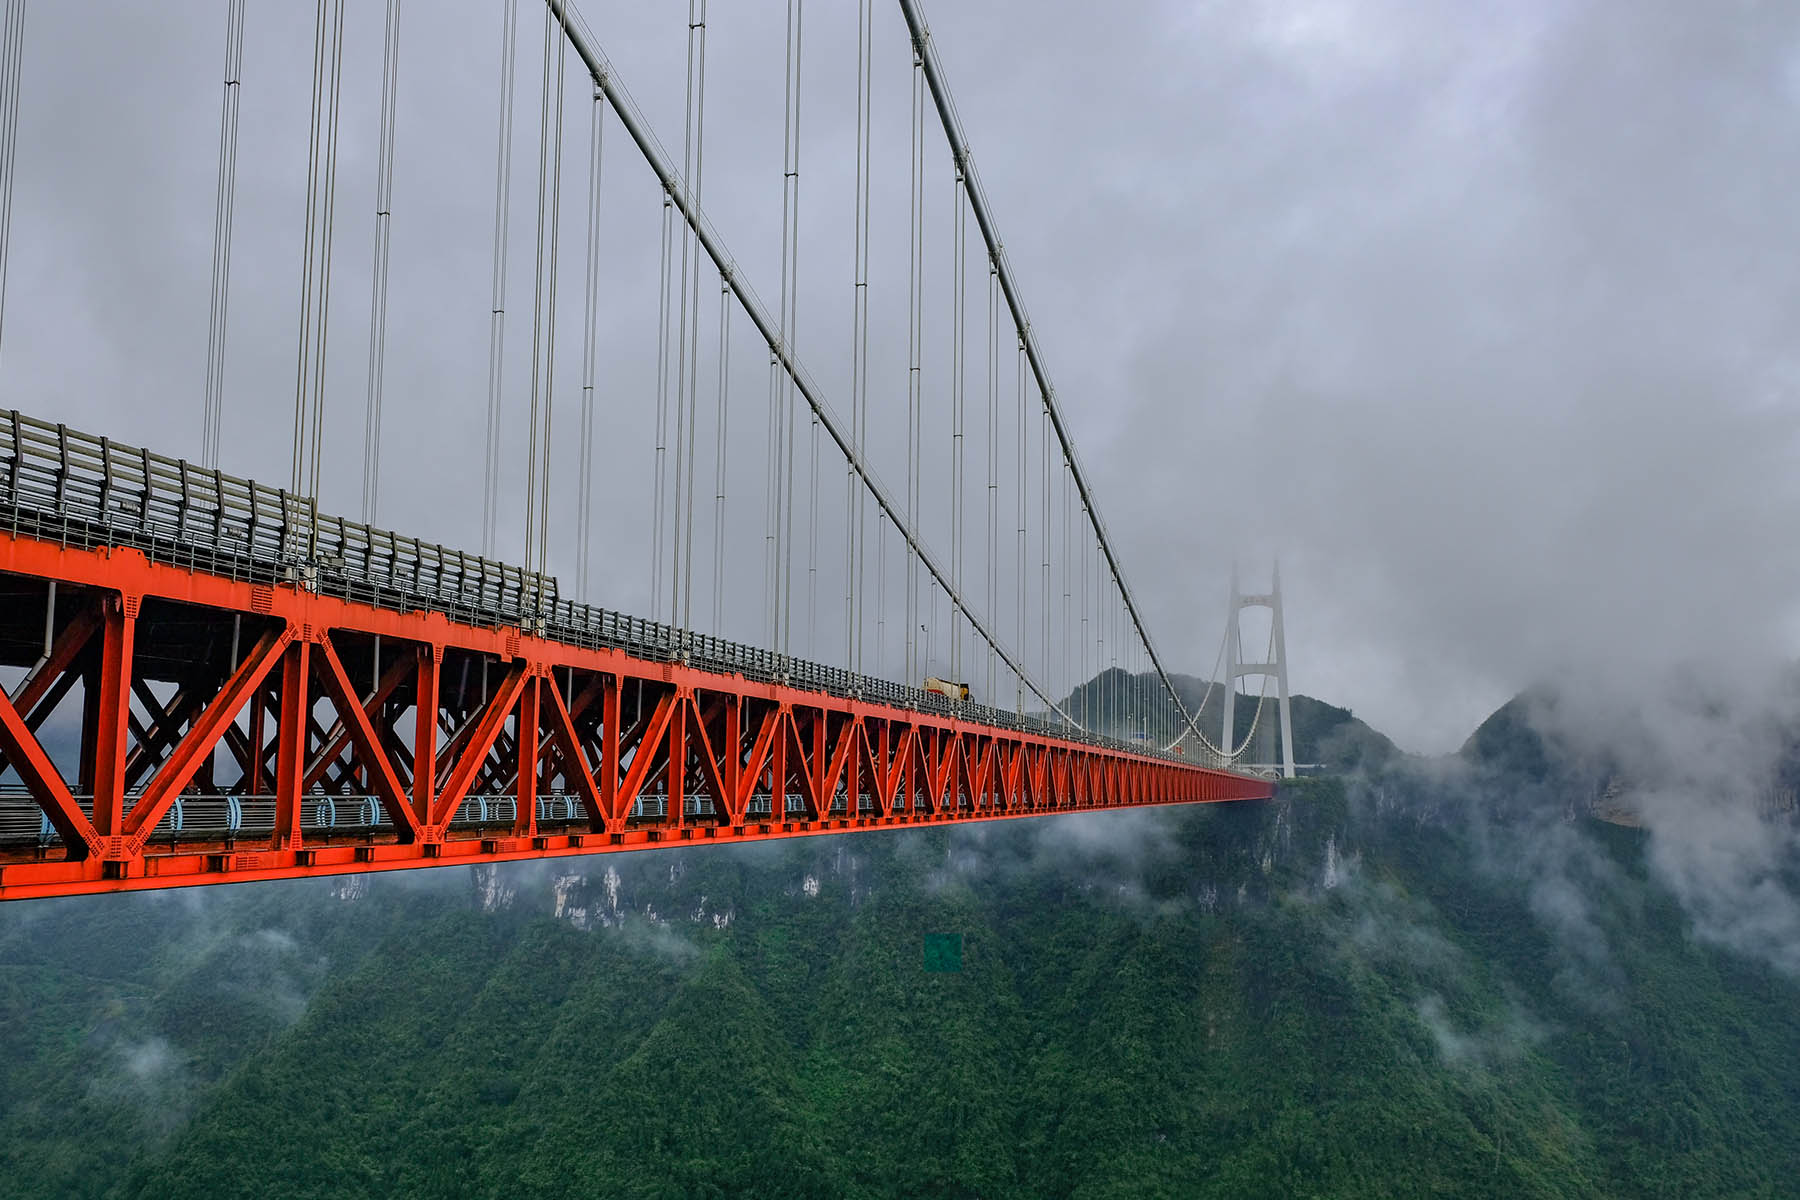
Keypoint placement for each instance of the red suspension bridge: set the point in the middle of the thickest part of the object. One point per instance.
(212, 680)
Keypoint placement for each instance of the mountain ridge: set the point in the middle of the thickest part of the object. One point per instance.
(1416, 978)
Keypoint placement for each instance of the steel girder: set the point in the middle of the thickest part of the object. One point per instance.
(461, 744)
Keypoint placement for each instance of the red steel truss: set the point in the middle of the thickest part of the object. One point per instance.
(230, 730)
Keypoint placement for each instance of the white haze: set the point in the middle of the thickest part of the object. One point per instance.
(1480, 316)
(1474, 314)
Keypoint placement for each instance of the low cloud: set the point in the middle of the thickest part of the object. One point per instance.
(657, 938)
(1483, 1046)
(149, 1076)
(1706, 765)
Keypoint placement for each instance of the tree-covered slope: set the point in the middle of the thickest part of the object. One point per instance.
(1341, 993)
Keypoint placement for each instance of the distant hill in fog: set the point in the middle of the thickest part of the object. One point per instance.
(1323, 733)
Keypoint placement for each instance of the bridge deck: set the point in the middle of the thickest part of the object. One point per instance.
(224, 685)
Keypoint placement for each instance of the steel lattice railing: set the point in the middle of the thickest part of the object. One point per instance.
(62, 485)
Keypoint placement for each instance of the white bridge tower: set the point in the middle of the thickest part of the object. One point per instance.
(1236, 668)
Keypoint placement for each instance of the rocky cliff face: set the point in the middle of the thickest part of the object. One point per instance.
(1216, 858)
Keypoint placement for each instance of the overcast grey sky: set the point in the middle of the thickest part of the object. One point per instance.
(1480, 316)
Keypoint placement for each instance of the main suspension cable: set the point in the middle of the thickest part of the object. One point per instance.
(1262, 699)
(1182, 734)
(926, 55)
(771, 332)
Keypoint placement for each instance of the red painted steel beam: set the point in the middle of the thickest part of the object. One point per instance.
(26, 756)
(369, 748)
(340, 735)
(63, 649)
(112, 717)
(634, 726)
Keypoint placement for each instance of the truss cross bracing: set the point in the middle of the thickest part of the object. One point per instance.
(202, 705)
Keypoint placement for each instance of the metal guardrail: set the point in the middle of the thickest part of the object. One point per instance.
(77, 489)
(212, 816)
(58, 484)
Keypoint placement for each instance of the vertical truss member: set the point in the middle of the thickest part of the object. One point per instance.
(490, 493)
(384, 203)
(315, 286)
(585, 489)
(224, 206)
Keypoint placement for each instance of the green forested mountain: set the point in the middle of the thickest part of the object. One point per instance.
(1122, 704)
(1392, 985)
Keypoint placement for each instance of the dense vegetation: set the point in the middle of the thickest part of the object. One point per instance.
(1376, 990)
(1124, 705)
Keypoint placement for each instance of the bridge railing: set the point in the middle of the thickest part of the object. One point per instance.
(78, 489)
(62, 485)
(219, 817)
